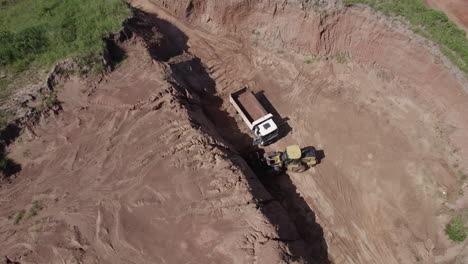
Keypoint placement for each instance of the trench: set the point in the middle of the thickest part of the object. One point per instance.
(168, 45)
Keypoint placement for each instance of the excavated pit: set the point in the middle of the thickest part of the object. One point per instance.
(383, 103)
(153, 164)
(190, 75)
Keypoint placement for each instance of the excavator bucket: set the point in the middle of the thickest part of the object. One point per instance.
(273, 159)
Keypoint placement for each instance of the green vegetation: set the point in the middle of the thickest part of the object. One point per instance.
(165, 75)
(34, 210)
(48, 103)
(456, 229)
(52, 101)
(38, 33)
(18, 217)
(312, 60)
(27, 154)
(340, 57)
(429, 23)
(462, 178)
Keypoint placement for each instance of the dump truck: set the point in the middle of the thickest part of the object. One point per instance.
(293, 159)
(257, 119)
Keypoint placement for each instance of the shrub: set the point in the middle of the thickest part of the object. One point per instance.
(340, 57)
(34, 210)
(52, 101)
(18, 217)
(456, 229)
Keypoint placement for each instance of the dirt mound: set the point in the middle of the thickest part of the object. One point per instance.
(150, 165)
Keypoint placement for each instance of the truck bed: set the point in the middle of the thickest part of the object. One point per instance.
(248, 102)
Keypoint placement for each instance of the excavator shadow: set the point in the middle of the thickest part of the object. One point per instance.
(282, 122)
(284, 191)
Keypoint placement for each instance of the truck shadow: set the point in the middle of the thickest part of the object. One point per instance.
(277, 198)
(283, 127)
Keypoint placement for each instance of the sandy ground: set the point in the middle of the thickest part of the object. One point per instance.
(142, 170)
(455, 9)
(126, 175)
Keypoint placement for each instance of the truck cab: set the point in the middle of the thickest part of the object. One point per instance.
(266, 133)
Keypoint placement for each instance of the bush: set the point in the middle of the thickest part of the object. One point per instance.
(456, 229)
(18, 217)
(430, 23)
(52, 101)
(34, 210)
(41, 32)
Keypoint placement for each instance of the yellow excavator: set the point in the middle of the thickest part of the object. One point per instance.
(293, 158)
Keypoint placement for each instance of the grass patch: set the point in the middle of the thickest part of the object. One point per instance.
(34, 210)
(47, 103)
(27, 154)
(312, 60)
(18, 217)
(165, 75)
(340, 57)
(38, 33)
(462, 178)
(429, 23)
(456, 229)
(52, 101)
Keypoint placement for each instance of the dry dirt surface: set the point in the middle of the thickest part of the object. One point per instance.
(457, 10)
(153, 165)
